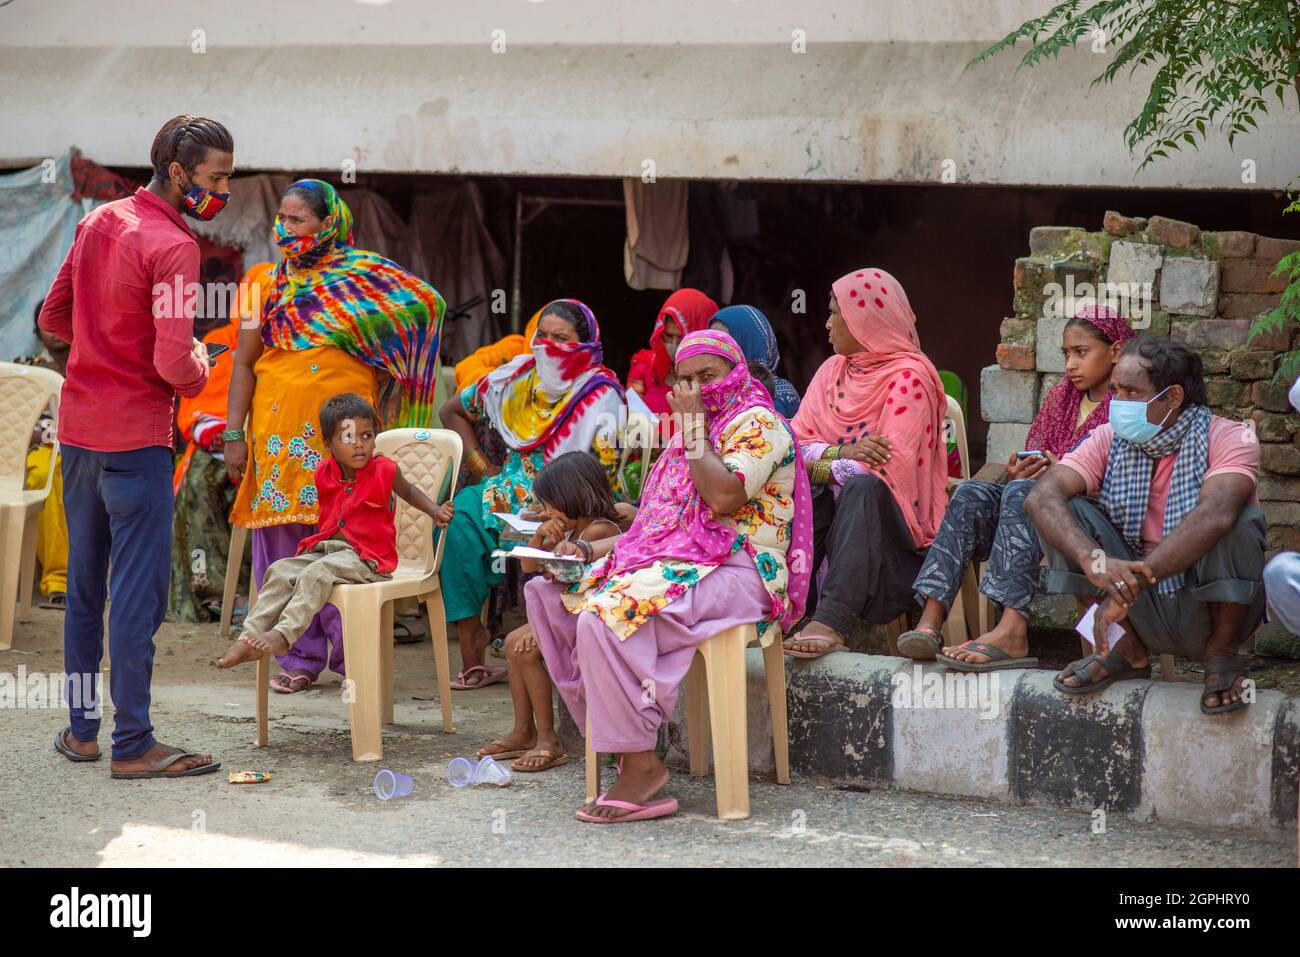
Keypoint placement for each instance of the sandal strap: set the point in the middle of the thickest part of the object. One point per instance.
(992, 651)
(1081, 670)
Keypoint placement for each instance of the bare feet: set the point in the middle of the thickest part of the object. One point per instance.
(642, 777)
(816, 638)
(156, 754)
(252, 648)
(1011, 634)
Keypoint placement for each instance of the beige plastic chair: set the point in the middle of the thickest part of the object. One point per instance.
(426, 457)
(954, 428)
(641, 432)
(25, 392)
(715, 704)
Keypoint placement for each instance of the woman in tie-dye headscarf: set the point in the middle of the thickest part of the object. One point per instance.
(721, 539)
(556, 398)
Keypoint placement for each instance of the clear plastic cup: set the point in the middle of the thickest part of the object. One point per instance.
(460, 772)
(490, 772)
(390, 784)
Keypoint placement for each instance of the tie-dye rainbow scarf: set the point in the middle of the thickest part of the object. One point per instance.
(325, 293)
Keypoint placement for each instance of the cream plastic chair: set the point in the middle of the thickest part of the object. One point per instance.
(956, 627)
(716, 704)
(25, 392)
(428, 458)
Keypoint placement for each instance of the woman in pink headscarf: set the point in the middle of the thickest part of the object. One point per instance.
(987, 521)
(722, 538)
(871, 424)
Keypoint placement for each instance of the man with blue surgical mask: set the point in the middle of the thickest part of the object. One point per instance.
(1282, 574)
(1156, 514)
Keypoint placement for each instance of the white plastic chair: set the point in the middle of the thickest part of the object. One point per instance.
(428, 458)
(716, 707)
(25, 392)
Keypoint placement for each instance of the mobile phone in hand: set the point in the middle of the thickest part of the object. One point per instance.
(216, 348)
(1030, 454)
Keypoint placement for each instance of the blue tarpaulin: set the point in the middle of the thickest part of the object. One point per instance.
(38, 218)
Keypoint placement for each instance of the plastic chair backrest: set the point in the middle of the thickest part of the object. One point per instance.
(430, 460)
(955, 431)
(640, 431)
(25, 392)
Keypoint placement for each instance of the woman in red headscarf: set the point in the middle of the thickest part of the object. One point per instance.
(651, 375)
(871, 424)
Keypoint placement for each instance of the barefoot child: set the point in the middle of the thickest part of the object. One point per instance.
(574, 501)
(357, 541)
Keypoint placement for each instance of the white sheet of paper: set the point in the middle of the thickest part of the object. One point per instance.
(1086, 624)
(524, 525)
(541, 554)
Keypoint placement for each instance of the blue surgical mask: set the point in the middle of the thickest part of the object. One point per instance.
(1129, 419)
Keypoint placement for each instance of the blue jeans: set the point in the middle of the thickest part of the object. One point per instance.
(119, 511)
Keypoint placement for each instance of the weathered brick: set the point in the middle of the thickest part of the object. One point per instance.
(1224, 393)
(1272, 427)
(1211, 333)
(1251, 275)
(1173, 231)
(1134, 263)
(1049, 355)
(1189, 286)
(1007, 395)
(1120, 225)
(1282, 459)
(1270, 396)
(1252, 365)
(1052, 239)
(1215, 360)
(1030, 280)
(1275, 488)
(1245, 305)
(1005, 438)
(1157, 322)
(1050, 381)
(1012, 355)
(1284, 538)
(1233, 243)
(1282, 513)
(1275, 340)
(1272, 250)
(1018, 331)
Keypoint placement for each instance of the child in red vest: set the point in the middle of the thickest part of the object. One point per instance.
(357, 541)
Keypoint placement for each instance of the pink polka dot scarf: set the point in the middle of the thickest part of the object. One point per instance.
(889, 389)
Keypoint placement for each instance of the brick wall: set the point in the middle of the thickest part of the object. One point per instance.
(1204, 288)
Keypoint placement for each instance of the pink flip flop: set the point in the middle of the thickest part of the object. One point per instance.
(636, 812)
(492, 676)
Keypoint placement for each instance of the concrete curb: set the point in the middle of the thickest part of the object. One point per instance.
(1140, 748)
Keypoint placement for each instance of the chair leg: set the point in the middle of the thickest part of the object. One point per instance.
(386, 673)
(437, 616)
(361, 652)
(11, 543)
(697, 717)
(234, 563)
(262, 738)
(1167, 667)
(724, 663)
(972, 604)
(593, 766)
(774, 668)
(27, 572)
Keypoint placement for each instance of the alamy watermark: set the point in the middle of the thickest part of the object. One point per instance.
(52, 690)
(951, 690)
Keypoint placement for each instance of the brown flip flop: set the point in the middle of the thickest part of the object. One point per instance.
(553, 760)
(159, 769)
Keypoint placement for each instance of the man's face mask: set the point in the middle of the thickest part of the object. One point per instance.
(204, 204)
(1129, 419)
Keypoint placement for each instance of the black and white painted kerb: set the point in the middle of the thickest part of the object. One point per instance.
(1140, 748)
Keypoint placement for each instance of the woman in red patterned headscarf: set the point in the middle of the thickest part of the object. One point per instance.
(651, 375)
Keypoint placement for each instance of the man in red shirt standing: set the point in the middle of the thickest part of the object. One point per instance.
(133, 349)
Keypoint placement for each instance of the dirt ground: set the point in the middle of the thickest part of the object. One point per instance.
(319, 808)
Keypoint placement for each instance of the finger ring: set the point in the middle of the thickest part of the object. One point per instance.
(1118, 585)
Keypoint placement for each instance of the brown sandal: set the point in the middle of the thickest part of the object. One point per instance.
(289, 683)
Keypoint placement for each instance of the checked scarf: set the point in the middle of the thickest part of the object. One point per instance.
(1126, 486)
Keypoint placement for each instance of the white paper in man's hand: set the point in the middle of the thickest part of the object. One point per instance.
(1089, 622)
(524, 525)
(541, 554)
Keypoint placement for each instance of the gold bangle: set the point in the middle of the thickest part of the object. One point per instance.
(833, 452)
(477, 462)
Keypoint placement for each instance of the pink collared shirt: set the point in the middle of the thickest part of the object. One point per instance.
(127, 364)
